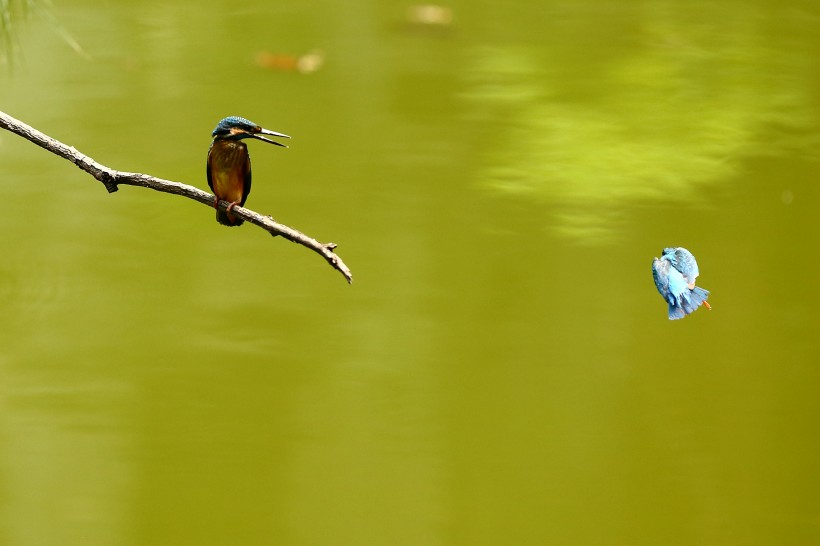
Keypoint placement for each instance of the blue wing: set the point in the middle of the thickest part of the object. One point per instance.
(684, 261)
(678, 294)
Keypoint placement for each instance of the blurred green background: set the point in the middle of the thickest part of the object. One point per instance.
(498, 176)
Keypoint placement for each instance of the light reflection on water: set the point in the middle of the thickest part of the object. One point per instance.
(657, 122)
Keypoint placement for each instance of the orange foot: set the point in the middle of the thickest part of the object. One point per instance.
(706, 304)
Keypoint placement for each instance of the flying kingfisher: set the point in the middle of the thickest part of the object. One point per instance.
(229, 165)
(675, 274)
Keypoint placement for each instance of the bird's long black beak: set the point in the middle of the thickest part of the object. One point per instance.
(272, 133)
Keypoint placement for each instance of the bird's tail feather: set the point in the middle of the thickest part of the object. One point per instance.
(693, 299)
(688, 303)
(676, 312)
(697, 296)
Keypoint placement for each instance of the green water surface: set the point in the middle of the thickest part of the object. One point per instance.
(502, 371)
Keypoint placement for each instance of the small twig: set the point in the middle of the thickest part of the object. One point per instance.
(111, 179)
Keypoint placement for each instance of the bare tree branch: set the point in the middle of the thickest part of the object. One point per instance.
(111, 179)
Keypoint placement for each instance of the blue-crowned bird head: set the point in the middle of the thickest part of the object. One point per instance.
(670, 253)
(682, 260)
(237, 128)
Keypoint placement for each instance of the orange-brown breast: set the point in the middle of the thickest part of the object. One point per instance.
(229, 170)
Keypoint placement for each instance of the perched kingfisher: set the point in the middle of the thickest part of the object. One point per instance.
(675, 273)
(229, 165)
